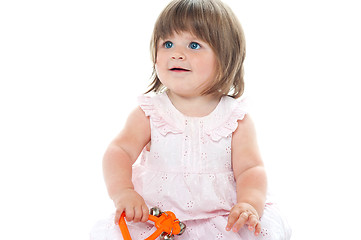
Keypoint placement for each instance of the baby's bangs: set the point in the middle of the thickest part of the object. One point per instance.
(187, 16)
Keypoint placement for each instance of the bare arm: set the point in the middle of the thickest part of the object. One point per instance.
(250, 175)
(118, 159)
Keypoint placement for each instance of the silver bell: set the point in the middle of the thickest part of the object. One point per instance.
(166, 236)
(182, 228)
(155, 211)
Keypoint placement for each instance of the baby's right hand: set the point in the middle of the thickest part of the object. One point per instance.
(130, 202)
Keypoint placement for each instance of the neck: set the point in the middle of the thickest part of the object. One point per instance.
(195, 106)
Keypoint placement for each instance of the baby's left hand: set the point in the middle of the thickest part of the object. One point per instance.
(241, 214)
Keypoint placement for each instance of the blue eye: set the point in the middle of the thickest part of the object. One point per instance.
(168, 44)
(194, 45)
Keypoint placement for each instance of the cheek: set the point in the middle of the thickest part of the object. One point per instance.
(160, 70)
(157, 70)
(160, 63)
(207, 66)
(161, 57)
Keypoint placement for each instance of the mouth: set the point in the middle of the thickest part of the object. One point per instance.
(177, 69)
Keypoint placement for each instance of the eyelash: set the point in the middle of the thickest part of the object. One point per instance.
(192, 45)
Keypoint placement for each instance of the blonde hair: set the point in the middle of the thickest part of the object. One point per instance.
(215, 23)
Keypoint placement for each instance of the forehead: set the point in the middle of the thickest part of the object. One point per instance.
(177, 32)
(181, 35)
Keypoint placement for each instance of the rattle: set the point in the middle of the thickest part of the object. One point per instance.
(166, 223)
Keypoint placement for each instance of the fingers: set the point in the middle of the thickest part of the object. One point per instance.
(257, 229)
(247, 219)
(141, 214)
(117, 216)
(241, 221)
(241, 216)
(232, 218)
(236, 219)
(254, 224)
(145, 214)
(135, 214)
(129, 214)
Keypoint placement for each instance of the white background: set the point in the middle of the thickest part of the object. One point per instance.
(70, 72)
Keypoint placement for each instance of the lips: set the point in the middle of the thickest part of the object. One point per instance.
(179, 69)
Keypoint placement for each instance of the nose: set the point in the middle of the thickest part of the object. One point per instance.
(178, 55)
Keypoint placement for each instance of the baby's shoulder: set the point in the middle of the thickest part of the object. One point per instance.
(137, 120)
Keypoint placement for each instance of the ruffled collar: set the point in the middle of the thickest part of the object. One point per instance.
(221, 122)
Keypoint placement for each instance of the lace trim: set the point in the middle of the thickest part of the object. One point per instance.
(226, 128)
(164, 126)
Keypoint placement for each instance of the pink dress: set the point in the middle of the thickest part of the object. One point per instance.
(188, 171)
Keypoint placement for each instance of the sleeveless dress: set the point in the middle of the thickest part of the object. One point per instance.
(188, 170)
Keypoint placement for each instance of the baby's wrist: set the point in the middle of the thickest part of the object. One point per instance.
(120, 193)
(246, 204)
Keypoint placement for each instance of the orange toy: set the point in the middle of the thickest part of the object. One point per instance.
(166, 223)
